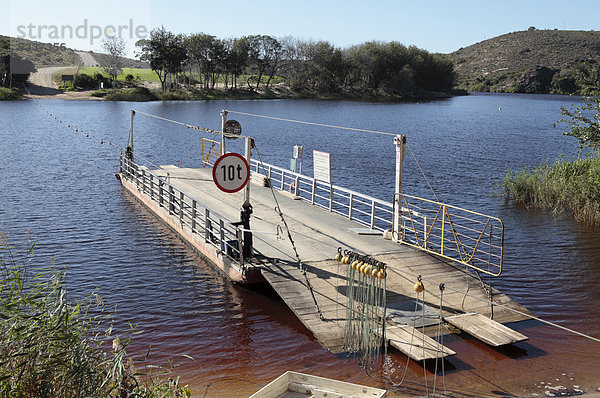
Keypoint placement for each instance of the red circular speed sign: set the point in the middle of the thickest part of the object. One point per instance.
(231, 172)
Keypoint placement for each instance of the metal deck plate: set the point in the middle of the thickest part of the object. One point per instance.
(409, 313)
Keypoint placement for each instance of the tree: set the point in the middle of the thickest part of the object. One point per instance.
(584, 123)
(115, 48)
(264, 54)
(166, 53)
(198, 47)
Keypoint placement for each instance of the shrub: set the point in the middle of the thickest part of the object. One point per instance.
(138, 94)
(53, 347)
(85, 81)
(7, 94)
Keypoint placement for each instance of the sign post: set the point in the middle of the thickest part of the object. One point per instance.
(400, 142)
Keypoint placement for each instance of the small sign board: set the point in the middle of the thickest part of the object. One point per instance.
(231, 172)
(232, 129)
(67, 78)
(322, 166)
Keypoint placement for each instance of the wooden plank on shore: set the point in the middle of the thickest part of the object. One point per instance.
(485, 329)
(415, 344)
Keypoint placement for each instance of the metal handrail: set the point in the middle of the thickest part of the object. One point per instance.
(363, 209)
(436, 232)
(217, 230)
(211, 150)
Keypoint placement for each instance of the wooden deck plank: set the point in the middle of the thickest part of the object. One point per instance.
(415, 344)
(485, 329)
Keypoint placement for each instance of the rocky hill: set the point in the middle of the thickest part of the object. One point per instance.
(536, 61)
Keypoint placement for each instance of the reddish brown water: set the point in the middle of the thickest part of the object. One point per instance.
(59, 184)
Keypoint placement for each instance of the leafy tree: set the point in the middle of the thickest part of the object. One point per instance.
(166, 53)
(113, 64)
(584, 123)
(198, 47)
(238, 58)
(265, 54)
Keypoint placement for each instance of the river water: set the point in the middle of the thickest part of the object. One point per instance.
(58, 184)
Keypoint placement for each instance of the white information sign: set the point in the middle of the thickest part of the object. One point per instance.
(322, 166)
(231, 172)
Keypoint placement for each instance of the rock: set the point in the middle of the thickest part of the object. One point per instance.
(536, 80)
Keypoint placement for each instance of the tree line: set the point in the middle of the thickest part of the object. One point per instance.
(255, 62)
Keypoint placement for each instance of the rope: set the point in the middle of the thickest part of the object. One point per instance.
(422, 172)
(189, 126)
(313, 124)
(398, 270)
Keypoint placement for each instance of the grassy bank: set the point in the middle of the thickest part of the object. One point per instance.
(7, 94)
(565, 186)
(51, 346)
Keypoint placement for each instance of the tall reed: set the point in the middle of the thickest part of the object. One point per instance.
(565, 186)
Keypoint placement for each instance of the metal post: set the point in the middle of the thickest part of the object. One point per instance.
(330, 197)
(131, 130)
(193, 215)
(207, 225)
(247, 207)
(181, 199)
(350, 205)
(223, 121)
(400, 142)
(222, 236)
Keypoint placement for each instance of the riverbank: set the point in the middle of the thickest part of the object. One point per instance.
(149, 92)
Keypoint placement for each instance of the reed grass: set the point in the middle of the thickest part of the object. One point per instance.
(51, 346)
(565, 186)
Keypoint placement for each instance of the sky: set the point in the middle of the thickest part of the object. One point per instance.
(435, 25)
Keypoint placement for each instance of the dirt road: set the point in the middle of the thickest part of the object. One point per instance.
(87, 58)
(41, 83)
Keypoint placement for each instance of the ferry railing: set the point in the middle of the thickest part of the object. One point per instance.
(470, 238)
(473, 239)
(197, 218)
(211, 150)
(366, 210)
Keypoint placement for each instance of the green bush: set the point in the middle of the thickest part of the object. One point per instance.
(53, 347)
(138, 94)
(7, 94)
(85, 81)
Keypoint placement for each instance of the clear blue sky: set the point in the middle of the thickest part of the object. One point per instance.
(438, 26)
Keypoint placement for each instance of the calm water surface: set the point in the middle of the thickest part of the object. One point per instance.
(59, 184)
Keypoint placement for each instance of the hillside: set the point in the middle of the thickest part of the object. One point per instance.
(43, 54)
(537, 61)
